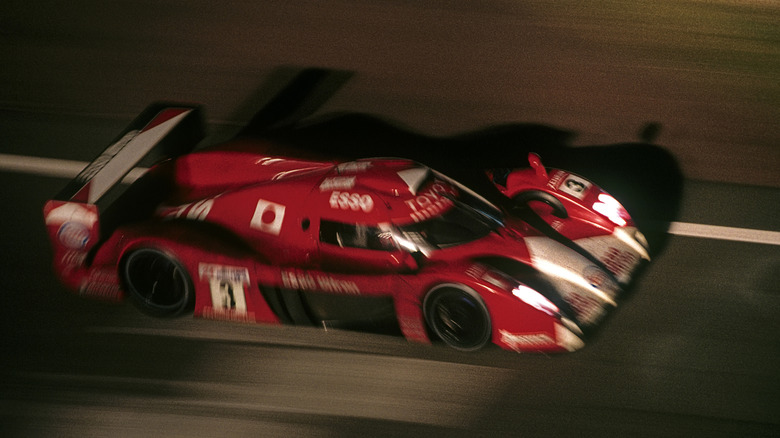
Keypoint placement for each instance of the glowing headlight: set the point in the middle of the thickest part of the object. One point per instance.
(611, 209)
(535, 299)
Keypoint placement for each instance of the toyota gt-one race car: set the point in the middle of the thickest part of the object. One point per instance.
(230, 232)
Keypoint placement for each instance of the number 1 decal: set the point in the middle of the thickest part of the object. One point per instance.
(227, 286)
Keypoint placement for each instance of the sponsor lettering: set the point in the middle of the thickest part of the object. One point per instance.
(555, 179)
(301, 280)
(196, 210)
(101, 284)
(330, 284)
(353, 166)
(518, 341)
(337, 183)
(619, 262)
(100, 162)
(73, 235)
(587, 309)
(351, 201)
(227, 315)
(298, 280)
(431, 202)
(72, 258)
(227, 285)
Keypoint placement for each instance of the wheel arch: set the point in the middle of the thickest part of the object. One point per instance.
(442, 287)
(186, 243)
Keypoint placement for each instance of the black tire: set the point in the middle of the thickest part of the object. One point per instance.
(458, 316)
(157, 283)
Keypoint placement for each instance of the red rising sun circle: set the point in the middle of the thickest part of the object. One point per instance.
(269, 216)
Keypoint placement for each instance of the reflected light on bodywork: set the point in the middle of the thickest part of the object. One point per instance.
(535, 299)
(567, 338)
(611, 209)
(634, 239)
(562, 273)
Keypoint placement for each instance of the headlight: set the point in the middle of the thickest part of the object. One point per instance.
(535, 299)
(641, 239)
(610, 208)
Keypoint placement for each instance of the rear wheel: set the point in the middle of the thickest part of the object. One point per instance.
(458, 316)
(157, 283)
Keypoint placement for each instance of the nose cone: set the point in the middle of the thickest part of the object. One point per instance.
(567, 338)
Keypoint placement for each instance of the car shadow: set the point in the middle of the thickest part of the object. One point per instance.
(645, 177)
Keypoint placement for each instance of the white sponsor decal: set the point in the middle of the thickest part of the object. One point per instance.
(351, 201)
(518, 341)
(587, 308)
(227, 286)
(353, 166)
(196, 210)
(74, 212)
(100, 162)
(619, 262)
(431, 202)
(300, 280)
(102, 284)
(337, 183)
(73, 235)
(125, 154)
(72, 259)
(268, 217)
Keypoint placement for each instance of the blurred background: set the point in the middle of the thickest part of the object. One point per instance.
(692, 351)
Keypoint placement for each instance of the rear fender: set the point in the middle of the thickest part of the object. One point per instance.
(95, 202)
(224, 275)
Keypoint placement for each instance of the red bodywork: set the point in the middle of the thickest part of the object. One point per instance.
(271, 239)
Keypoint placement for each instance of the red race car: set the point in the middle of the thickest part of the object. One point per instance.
(232, 232)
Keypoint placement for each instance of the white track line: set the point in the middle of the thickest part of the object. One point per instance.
(69, 169)
(724, 233)
(52, 167)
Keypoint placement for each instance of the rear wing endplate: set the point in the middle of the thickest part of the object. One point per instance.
(95, 201)
(162, 130)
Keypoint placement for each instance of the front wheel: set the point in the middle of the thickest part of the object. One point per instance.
(458, 316)
(157, 283)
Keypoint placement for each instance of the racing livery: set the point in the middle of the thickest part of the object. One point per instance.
(231, 232)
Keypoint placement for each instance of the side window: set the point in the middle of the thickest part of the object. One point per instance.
(355, 236)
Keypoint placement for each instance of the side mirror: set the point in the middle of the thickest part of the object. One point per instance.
(536, 164)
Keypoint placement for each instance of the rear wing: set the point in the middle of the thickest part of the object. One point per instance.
(95, 201)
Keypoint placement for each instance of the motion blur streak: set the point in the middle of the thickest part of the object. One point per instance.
(690, 352)
(68, 169)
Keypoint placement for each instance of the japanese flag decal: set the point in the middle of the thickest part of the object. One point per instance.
(268, 217)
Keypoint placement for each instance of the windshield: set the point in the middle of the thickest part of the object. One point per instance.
(468, 218)
(469, 199)
(459, 225)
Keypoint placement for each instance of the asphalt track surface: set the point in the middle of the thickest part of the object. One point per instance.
(693, 350)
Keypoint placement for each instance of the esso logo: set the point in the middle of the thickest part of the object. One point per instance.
(73, 235)
(351, 201)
